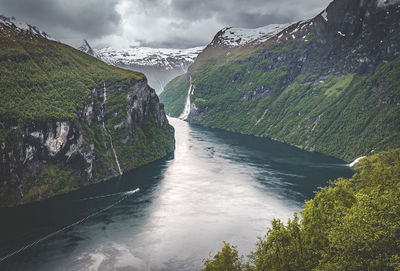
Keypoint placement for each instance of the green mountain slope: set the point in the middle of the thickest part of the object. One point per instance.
(174, 95)
(330, 84)
(68, 119)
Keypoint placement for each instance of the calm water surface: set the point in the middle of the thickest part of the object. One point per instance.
(216, 186)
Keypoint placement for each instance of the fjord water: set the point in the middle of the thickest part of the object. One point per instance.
(216, 186)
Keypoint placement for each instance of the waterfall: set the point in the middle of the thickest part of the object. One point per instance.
(183, 69)
(186, 111)
(104, 126)
(115, 155)
(161, 85)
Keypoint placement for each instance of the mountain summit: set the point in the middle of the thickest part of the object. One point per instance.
(13, 23)
(86, 48)
(329, 84)
(234, 37)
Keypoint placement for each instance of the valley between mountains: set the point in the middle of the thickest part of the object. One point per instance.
(274, 147)
(329, 84)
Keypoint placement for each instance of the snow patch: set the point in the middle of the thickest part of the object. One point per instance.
(11, 21)
(235, 37)
(145, 56)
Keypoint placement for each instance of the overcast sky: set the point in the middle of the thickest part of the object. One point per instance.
(153, 23)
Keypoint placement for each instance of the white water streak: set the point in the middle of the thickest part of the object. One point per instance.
(126, 195)
(355, 162)
(115, 155)
(109, 134)
(186, 111)
(113, 194)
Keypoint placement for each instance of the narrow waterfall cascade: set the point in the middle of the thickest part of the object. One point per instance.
(183, 69)
(115, 155)
(109, 134)
(186, 112)
(161, 85)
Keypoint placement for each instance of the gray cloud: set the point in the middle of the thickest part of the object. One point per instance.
(154, 23)
(66, 20)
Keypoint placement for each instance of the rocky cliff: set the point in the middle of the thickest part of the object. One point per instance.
(69, 120)
(329, 84)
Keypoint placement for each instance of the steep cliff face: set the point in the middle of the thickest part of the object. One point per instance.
(329, 84)
(68, 120)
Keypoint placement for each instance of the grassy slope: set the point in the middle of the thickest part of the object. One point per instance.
(345, 115)
(46, 80)
(314, 117)
(174, 95)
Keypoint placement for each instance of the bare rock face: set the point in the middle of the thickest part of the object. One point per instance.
(111, 136)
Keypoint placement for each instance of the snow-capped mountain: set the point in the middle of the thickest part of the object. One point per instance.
(234, 37)
(145, 56)
(13, 22)
(160, 65)
(85, 47)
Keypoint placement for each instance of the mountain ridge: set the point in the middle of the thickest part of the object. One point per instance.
(158, 64)
(320, 84)
(14, 23)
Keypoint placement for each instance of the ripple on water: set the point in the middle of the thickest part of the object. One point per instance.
(216, 186)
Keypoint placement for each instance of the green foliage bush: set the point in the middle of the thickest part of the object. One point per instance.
(53, 181)
(354, 224)
(226, 260)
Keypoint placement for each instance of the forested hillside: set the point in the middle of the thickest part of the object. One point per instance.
(353, 224)
(330, 84)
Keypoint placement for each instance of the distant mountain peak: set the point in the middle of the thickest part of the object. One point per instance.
(160, 65)
(86, 48)
(13, 22)
(146, 56)
(235, 37)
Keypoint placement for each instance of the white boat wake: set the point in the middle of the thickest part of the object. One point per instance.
(126, 195)
(113, 194)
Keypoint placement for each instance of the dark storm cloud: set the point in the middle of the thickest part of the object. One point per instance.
(67, 20)
(253, 20)
(249, 13)
(154, 23)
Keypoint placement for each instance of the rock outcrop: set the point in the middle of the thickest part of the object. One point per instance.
(42, 159)
(68, 120)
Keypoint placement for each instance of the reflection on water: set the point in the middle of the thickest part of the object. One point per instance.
(216, 186)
